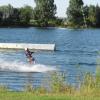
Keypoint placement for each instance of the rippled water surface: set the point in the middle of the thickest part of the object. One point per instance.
(76, 51)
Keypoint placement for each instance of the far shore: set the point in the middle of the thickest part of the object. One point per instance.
(62, 27)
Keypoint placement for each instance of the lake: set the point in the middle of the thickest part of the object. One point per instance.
(77, 51)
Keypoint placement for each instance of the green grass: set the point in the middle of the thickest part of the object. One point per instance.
(31, 96)
(89, 90)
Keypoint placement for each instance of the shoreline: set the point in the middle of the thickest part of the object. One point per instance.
(59, 27)
(49, 26)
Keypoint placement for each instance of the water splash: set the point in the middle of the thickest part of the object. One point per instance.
(16, 66)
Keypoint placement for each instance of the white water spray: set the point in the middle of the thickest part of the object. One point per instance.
(16, 66)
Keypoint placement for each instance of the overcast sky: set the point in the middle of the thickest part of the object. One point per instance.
(61, 4)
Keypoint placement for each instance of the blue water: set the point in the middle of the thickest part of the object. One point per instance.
(76, 51)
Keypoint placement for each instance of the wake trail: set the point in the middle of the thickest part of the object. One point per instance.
(16, 66)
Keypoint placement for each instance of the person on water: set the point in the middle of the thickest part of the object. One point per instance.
(29, 56)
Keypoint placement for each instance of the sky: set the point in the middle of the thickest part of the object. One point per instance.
(61, 4)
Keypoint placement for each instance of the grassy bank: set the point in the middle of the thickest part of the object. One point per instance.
(31, 96)
(89, 90)
(85, 93)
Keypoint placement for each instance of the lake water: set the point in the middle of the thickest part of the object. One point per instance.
(77, 51)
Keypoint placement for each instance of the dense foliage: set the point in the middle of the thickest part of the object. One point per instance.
(74, 13)
(42, 15)
(15, 16)
(79, 15)
(44, 11)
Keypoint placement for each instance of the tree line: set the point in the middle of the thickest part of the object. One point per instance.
(79, 15)
(15, 16)
(44, 14)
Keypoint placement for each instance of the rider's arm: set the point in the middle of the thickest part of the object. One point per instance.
(31, 52)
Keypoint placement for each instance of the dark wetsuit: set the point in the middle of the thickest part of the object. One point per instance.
(29, 56)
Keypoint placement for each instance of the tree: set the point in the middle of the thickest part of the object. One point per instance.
(74, 13)
(26, 14)
(15, 16)
(1, 17)
(6, 12)
(85, 15)
(44, 11)
(92, 15)
(97, 16)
